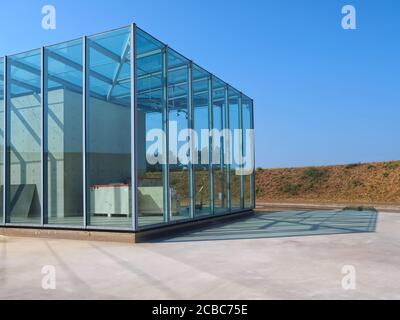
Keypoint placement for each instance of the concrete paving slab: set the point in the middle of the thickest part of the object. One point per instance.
(294, 267)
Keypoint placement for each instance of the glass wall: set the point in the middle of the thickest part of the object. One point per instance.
(248, 157)
(201, 117)
(24, 143)
(235, 150)
(151, 113)
(108, 126)
(1, 136)
(219, 163)
(63, 128)
(179, 153)
(87, 104)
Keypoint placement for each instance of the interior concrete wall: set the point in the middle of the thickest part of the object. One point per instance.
(25, 157)
(109, 145)
(65, 160)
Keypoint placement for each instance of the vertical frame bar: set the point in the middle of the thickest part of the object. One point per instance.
(7, 164)
(84, 129)
(167, 193)
(227, 151)
(134, 172)
(192, 149)
(253, 176)
(222, 159)
(242, 203)
(43, 123)
(211, 145)
(5, 137)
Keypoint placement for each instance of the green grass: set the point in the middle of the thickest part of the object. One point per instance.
(292, 189)
(353, 165)
(386, 174)
(391, 165)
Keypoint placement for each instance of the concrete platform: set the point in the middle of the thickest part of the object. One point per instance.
(296, 262)
(115, 235)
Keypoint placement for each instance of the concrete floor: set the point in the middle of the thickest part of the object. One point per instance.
(206, 265)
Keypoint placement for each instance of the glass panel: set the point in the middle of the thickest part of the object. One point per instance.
(178, 108)
(109, 129)
(64, 133)
(234, 124)
(150, 115)
(219, 168)
(1, 136)
(201, 122)
(24, 145)
(248, 198)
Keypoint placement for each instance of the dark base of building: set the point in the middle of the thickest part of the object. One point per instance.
(116, 236)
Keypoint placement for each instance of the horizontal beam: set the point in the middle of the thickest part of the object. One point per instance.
(104, 50)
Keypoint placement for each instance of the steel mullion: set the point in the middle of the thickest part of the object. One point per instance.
(192, 181)
(5, 128)
(84, 127)
(241, 146)
(167, 209)
(227, 141)
(253, 175)
(211, 144)
(134, 153)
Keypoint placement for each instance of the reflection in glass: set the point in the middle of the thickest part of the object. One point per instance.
(24, 143)
(150, 115)
(64, 133)
(109, 129)
(248, 189)
(235, 150)
(201, 122)
(219, 163)
(178, 109)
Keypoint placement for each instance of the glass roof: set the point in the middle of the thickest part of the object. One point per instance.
(109, 67)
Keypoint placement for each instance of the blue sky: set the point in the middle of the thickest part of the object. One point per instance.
(323, 95)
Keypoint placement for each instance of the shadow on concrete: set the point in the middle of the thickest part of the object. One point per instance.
(282, 224)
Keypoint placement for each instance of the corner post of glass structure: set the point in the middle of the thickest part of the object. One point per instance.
(5, 135)
(43, 123)
(253, 175)
(165, 109)
(134, 153)
(211, 142)
(193, 148)
(241, 148)
(228, 150)
(84, 131)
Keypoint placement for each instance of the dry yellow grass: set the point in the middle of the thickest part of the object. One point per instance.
(371, 183)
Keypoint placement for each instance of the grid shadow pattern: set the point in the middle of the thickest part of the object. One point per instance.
(283, 224)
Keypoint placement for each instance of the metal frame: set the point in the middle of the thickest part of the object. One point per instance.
(5, 128)
(43, 120)
(167, 193)
(6, 193)
(253, 176)
(192, 181)
(44, 77)
(242, 186)
(134, 150)
(211, 145)
(85, 83)
(227, 142)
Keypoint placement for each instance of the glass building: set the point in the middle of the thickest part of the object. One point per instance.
(75, 147)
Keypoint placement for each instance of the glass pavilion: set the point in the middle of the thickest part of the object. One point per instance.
(74, 118)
